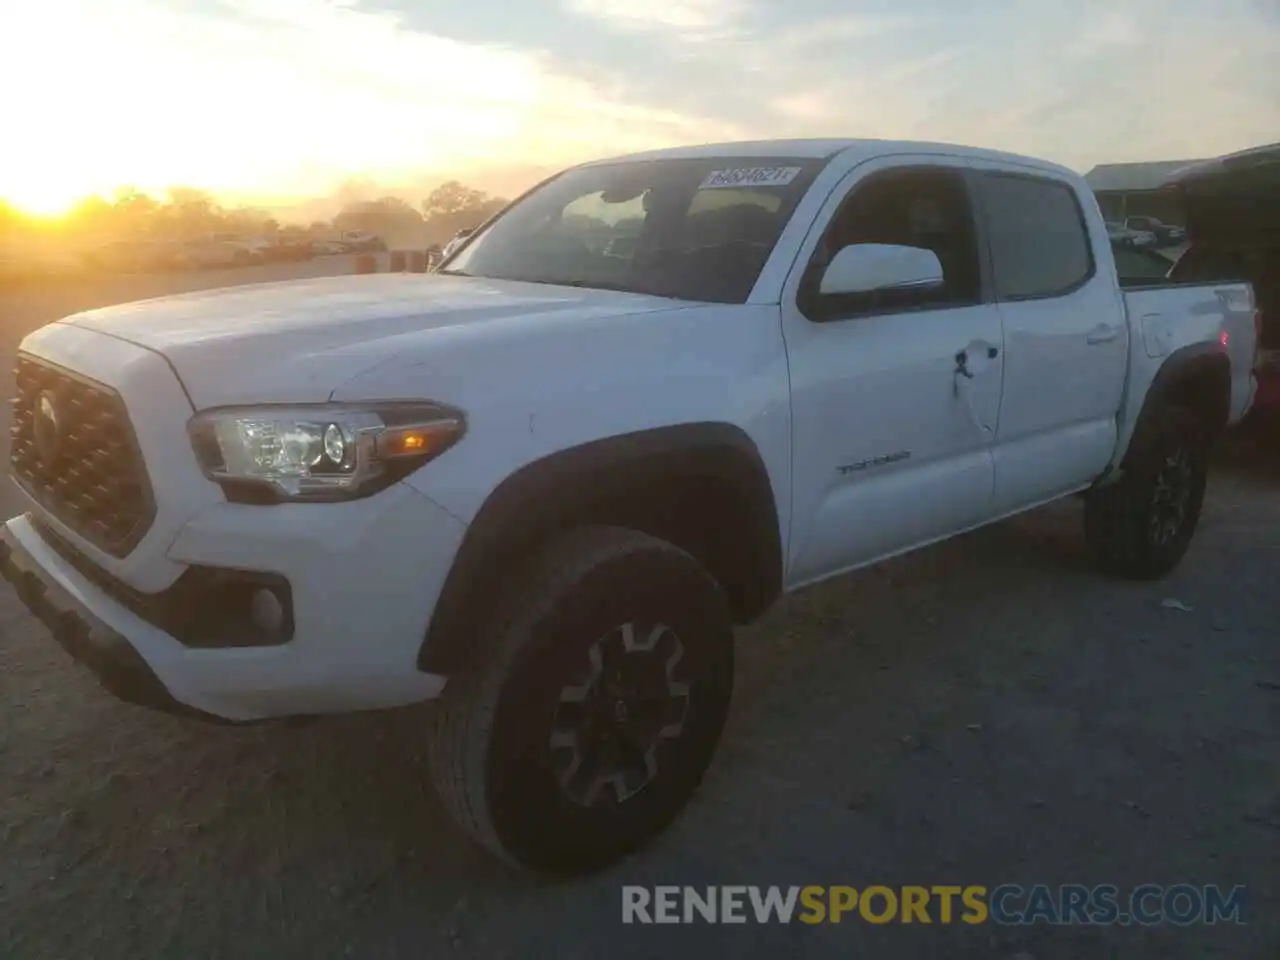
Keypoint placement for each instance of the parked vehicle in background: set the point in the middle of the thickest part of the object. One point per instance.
(544, 483)
(222, 250)
(134, 256)
(208, 253)
(1122, 236)
(328, 248)
(1233, 223)
(286, 249)
(361, 241)
(216, 251)
(1165, 234)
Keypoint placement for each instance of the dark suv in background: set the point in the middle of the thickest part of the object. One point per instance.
(1233, 222)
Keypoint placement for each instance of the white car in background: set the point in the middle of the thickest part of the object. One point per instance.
(1166, 234)
(1122, 236)
(362, 241)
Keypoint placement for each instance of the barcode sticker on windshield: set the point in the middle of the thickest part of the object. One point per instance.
(750, 177)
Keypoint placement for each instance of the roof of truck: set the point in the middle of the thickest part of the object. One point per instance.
(822, 148)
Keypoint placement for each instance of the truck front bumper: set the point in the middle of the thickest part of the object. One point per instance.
(362, 580)
(88, 639)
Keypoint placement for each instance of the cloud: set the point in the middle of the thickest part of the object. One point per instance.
(1093, 83)
(899, 101)
(288, 97)
(702, 19)
(826, 33)
(1192, 81)
(1109, 31)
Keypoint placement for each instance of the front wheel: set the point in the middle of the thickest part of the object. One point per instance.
(1139, 527)
(592, 704)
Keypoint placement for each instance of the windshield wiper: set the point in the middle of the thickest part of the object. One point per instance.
(588, 284)
(578, 282)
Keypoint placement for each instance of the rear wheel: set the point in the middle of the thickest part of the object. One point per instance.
(1140, 527)
(592, 706)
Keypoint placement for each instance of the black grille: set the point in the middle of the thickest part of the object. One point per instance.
(82, 464)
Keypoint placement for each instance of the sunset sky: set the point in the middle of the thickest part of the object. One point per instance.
(271, 100)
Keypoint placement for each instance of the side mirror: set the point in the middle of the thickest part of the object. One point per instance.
(872, 267)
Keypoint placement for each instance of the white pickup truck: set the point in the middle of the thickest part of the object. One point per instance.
(545, 483)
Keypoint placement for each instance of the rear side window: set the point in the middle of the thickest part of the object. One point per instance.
(1039, 244)
(1132, 264)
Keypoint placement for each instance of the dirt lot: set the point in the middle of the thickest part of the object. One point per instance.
(986, 711)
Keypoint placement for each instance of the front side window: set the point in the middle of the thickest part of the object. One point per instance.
(692, 229)
(1039, 242)
(925, 207)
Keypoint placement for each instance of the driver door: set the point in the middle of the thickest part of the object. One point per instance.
(891, 444)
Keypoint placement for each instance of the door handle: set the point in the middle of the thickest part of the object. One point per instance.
(1102, 334)
(960, 383)
(962, 361)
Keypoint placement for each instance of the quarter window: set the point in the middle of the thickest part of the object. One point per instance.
(1039, 244)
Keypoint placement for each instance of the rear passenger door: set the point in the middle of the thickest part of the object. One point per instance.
(1065, 336)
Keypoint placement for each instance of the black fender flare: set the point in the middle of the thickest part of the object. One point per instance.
(1193, 363)
(568, 486)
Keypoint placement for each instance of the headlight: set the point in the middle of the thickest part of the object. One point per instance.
(322, 452)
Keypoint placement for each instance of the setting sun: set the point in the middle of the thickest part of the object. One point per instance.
(285, 100)
(41, 200)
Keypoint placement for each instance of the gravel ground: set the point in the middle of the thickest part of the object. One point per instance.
(981, 712)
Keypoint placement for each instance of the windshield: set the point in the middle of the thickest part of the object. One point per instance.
(692, 229)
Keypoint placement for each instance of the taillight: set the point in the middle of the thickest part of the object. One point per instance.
(1257, 334)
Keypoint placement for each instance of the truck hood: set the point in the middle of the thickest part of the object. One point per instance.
(298, 341)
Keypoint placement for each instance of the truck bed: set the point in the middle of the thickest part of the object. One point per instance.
(1170, 315)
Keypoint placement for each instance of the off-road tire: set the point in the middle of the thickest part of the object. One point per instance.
(1123, 520)
(489, 752)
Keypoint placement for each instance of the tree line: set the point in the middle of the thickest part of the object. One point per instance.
(189, 214)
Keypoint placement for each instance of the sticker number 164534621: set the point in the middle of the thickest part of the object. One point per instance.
(750, 177)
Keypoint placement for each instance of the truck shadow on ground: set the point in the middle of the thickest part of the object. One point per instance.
(364, 776)
(254, 797)
(1253, 449)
